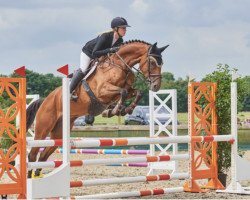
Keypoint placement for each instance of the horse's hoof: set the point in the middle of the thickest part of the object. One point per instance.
(129, 111)
(36, 175)
(123, 112)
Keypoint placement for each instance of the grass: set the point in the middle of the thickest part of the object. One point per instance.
(243, 116)
(113, 120)
(182, 118)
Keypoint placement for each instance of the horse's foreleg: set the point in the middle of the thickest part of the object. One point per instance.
(122, 94)
(130, 108)
(44, 155)
(117, 108)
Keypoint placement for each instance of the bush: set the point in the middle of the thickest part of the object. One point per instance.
(222, 76)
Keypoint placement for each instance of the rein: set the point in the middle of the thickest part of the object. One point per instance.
(149, 55)
(129, 68)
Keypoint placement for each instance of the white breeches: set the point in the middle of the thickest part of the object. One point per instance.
(84, 61)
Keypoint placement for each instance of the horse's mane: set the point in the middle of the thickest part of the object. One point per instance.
(133, 41)
(126, 43)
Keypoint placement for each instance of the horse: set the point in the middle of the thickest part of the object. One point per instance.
(110, 83)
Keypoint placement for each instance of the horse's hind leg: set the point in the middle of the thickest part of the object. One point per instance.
(44, 155)
(56, 133)
(41, 132)
(32, 158)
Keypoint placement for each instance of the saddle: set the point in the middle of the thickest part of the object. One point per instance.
(91, 68)
(96, 107)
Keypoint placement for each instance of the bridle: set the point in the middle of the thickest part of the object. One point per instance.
(150, 75)
(151, 56)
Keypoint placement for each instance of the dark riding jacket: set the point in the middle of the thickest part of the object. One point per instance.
(100, 45)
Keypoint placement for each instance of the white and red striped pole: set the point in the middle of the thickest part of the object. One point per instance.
(141, 193)
(134, 179)
(108, 161)
(131, 141)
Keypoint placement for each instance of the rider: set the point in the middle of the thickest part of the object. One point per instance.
(105, 43)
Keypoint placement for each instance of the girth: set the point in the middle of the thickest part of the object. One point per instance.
(96, 107)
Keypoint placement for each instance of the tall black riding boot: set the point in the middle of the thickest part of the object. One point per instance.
(77, 77)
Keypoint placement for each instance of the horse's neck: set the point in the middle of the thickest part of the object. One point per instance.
(133, 53)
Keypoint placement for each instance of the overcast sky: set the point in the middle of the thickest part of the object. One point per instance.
(45, 34)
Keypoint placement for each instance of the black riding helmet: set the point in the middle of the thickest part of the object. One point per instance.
(119, 22)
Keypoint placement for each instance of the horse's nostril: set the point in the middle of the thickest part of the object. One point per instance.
(156, 87)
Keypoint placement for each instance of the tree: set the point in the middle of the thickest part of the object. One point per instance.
(181, 86)
(41, 84)
(167, 76)
(246, 100)
(141, 84)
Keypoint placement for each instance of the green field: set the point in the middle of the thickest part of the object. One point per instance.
(243, 116)
(113, 120)
(182, 118)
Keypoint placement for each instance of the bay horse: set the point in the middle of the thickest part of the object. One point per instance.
(110, 83)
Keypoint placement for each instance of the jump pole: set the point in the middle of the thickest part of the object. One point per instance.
(108, 161)
(133, 179)
(42, 187)
(131, 141)
(141, 193)
(105, 151)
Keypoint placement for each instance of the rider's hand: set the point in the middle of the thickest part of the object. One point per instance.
(113, 49)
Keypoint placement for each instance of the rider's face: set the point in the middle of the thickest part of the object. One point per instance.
(122, 31)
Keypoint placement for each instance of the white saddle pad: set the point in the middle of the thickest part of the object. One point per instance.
(91, 71)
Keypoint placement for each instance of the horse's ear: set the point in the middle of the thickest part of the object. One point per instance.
(155, 44)
(163, 48)
(154, 47)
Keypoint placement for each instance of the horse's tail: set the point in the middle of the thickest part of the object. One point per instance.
(31, 112)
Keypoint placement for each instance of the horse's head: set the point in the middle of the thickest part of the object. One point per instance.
(148, 57)
(150, 66)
